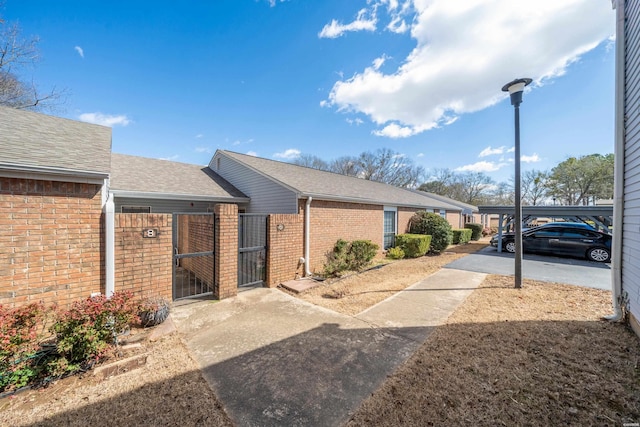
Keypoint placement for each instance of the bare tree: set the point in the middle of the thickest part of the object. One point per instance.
(389, 167)
(534, 187)
(16, 55)
(346, 165)
(311, 161)
(383, 165)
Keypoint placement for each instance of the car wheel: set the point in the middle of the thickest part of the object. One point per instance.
(510, 247)
(598, 255)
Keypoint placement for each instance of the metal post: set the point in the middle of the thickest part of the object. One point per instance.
(515, 89)
(518, 202)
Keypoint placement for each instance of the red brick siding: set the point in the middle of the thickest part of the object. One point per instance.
(331, 221)
(454, 219)
(226, 250)
(404, 215)
(50, 241)
(143, 265)
(285, 247)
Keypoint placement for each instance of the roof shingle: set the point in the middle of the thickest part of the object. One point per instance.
(144, 175)
(328, 185)
(38, 140)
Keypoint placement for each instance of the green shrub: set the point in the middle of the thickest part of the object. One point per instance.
(461, 235)
(360, 254)
(395, 253)
(476, 230)
(413, 245)
(349, 256)
(437, 227)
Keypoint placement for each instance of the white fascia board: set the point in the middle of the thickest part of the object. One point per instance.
(172, 196)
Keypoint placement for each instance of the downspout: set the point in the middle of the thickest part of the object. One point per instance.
(109, 238)
(307, 232)
(618, 180)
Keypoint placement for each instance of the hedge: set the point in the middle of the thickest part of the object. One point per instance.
(413, 245)
(461, 235)
(432, 224)
(476, 230)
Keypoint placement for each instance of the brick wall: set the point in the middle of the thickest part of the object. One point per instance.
(50, 241)
(331, 221)
(454, 218)
(143, 265)
(226, 250)
(285, 242)
(404, 215)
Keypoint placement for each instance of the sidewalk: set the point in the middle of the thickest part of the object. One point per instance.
(273, 359)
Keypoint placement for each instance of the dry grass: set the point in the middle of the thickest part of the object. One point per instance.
(540, 355)
(355, 293)
(168, 390)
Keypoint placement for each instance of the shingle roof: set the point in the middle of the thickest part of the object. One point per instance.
(465, 206)
(163, 177)
(40, 141)
(328, 185)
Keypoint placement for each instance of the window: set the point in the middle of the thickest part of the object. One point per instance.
(389, 227)
(135, 209)
(443, 214)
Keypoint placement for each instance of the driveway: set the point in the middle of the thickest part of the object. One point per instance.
(537, 267)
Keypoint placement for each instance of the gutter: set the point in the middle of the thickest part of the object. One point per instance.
(109, 242)
(10, 170)
(307, 232)
(145, 195)
(618, 180)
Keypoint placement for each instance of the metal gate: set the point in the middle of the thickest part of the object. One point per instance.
(193, 263)
(252, 245)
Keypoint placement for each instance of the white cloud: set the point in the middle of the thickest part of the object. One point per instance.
(365, 21)
(272, 3)
(530, 159)
(491, 151)
(511, 150)
(105, 119)
(393, 130)
(171, 158)
(203, 150)
(420, 155)
(291, 153)
(252, 153)
(198, 136)
(482, 166)
(451, 72)
(357, 121)
(80, 51)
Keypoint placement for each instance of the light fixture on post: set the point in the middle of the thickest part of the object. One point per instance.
(515, 89)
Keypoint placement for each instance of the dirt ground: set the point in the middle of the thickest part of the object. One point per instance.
(540, 355)
(535, 356)
(356, 292)
(169, 391)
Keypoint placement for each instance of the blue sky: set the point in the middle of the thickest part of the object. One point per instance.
(276, 78)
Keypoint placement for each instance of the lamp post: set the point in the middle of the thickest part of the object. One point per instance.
(515, 89)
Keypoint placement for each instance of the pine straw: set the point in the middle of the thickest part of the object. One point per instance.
(359, 291)
(540, 355)
(168, 390)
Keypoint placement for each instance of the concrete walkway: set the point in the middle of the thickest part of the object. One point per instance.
(275, 360)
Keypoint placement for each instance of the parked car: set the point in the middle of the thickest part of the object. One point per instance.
(572, 239)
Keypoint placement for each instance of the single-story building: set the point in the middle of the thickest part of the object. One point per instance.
(334, 206)
(77, 220)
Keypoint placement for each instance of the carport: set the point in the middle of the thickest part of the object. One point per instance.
(599, 216)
